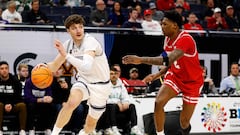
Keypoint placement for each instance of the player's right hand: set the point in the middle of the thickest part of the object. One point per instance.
(40, 65)
(131, 59)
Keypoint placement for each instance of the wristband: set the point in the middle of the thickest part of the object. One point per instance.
(165, 61)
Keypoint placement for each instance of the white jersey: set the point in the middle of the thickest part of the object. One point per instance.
(100, 69)
(152, 28)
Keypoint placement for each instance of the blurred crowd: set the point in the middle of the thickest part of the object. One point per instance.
(219, 15)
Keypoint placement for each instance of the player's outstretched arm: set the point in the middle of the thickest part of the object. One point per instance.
(56, 63)
(159, 60)
(59, 60)
(134, 59)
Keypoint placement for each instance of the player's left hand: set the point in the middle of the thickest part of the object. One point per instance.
(58, 45)
(149, 78)
(131, 59)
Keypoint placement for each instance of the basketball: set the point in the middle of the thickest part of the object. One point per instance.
(42, 77)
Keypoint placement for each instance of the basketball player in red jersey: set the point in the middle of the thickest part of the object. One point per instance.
(182, 70)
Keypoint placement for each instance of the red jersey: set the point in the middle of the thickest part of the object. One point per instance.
(189, 26)
(185, 74)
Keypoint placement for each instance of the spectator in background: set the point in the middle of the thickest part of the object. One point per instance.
(35, 16)
(110, 3)
(133, 74)
(116, 17)
(180, 9)
(150, 26)
(119, 102)
(156, 14)
(208, 13)
(74, 3)
(60, 93)
(192, 23)
(130, 3)
(99, 17)
(208, 82)
(134, 84)
(231, 19)
(165, 5)
(23, 5)
(55, 2)
(1, 20)
(1, 13)
(139, 11)
(22, 75)
(119, 71)
(10, 14)
(236, 6)
(3, 4)
(10, 98)
(194, 1)
(132, 22)
(184, 3)
(231, 84)
(39, 102)
(217, 22)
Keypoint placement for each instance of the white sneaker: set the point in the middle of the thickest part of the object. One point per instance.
(94, 132)
(47, 132)
(81, 132)
(115, 131)
(136, 131)
(22, 132)
(1, 132)
(108, 131)
(31, 132)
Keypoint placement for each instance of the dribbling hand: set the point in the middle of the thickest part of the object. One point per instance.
(131, 59)
(40, 65)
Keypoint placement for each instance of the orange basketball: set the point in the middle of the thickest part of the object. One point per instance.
(42, 77)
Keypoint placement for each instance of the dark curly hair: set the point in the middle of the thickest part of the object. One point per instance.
(174, 16)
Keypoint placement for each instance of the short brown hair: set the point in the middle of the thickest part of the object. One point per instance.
(74, 19)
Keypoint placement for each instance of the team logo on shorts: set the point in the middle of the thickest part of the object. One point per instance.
(214, 117)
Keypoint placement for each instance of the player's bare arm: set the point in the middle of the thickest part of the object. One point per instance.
(151, 77)
(131, 59)
(60, 58)
(175, 55)
(58, 61)
(134, 59)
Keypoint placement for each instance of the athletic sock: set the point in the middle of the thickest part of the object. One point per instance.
(161, 133)
(56, 130)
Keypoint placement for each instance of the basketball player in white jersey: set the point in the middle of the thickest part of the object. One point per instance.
(85, 53)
